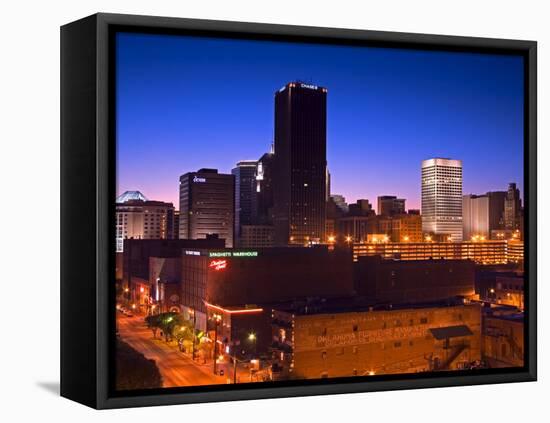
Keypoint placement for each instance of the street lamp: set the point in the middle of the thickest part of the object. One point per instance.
(252, 338)
(127, 295)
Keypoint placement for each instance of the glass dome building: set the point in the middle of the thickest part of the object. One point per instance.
(131, 196)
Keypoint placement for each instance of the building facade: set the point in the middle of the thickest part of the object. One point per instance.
(300, 164)
(139, 218)
(245, 187)
(257, 236)
(135, 263)
(207, 205)
(475, 213)
(262, 204)
(356, 228)
(414, 281)
(512, 208)
(389, 205)
(482, 214)
(340, 202)
(503, 340)
(481, 251)
(401, 227)
(347, 343)
(442, 197)
(230, 277)
(361, 207)
(509, 290)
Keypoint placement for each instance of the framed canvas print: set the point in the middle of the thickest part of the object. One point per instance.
(258, 211)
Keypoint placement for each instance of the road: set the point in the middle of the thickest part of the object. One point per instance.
(175, 367)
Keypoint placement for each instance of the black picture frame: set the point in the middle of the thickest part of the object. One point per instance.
(87, 210)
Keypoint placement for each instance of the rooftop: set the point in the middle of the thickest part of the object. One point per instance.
(316, 306)
(131, 196)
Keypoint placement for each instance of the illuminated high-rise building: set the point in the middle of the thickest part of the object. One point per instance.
(207, 205)
(300, 164)
(442, 198)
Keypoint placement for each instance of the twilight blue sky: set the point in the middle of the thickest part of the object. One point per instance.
(188, 102)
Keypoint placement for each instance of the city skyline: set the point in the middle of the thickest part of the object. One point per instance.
(181, 105)
(262, 277)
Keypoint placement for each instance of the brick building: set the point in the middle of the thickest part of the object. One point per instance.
(351, 343)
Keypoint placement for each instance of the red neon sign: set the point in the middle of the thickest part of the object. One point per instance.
(218, 264)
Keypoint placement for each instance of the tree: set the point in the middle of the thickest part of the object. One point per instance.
(205, 348)
(169, 322)
(154, 323)
(134, 370)
(184, 334)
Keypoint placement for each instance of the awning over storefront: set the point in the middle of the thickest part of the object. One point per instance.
(447, 332)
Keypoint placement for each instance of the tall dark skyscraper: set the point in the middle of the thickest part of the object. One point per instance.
(300, 164)
(512, 208)
(207, 205)
(244, 192)
(496, 209)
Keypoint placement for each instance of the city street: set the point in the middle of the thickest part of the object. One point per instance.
(175, 367)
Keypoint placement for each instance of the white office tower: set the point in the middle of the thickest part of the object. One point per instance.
(442, 198)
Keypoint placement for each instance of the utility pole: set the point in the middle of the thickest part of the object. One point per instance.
(194, 330)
